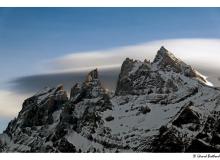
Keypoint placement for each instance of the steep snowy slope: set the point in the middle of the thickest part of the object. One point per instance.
(159, 106)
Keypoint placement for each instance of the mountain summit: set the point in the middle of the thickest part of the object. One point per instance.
(159, 106)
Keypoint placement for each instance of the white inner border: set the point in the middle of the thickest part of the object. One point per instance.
(109, 156)
(109, 3)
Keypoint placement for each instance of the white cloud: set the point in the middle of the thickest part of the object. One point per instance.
(10, 103)
(203, 53)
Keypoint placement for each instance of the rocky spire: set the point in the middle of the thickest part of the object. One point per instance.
(164, 56)
(123, 82)
(75, 90)
(91, 87)
(166, 60)
(92, 75)
(163, 50)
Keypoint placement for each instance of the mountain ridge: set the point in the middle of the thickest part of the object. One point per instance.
(159, 106)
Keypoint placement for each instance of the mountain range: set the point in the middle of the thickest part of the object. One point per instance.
(159, 106)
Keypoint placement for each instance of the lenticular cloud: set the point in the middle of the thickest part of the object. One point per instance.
(201, 53)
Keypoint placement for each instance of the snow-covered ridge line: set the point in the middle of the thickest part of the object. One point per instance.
(159, 106)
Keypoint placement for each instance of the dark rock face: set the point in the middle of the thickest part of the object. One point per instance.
(126, 79)
(159, 106)
(167, 61)
(75, 90)
(169, 142)
(93, 75)
(187, 116)
(145, 109)
(109, 118)
(208, 139)
(200, 146)
(124, 82)
(91, 88)
(38, 109)
(65, 146)
(144, 77)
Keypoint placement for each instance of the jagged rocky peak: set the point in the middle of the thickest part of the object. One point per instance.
(57, 94)
(163, 53)
(165, 60)
(138, 77)
(75, 90)
(93, 75)
(38, 110)
(91, 87)
(127, 66)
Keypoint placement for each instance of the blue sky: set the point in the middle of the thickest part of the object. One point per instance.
(30, 35)
(36, 42)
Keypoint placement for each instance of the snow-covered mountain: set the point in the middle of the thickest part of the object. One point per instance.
(159, 106)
